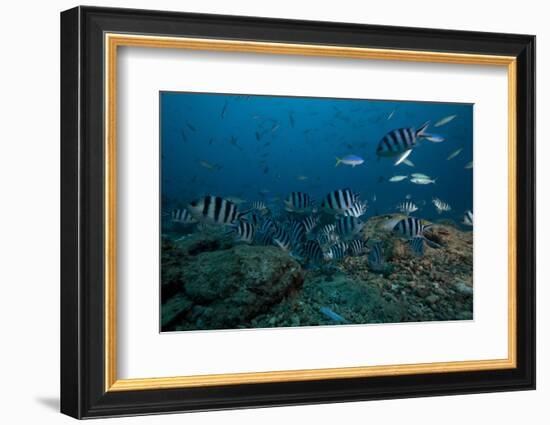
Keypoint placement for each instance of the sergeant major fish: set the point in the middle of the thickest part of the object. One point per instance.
(299, 202)
(338, 201)
(440, 205)
(400, 142)
(417, 245)
(375, 257)
(348, 226)
(407, 207)
(181, 215)
(245, 231)
(357, 247)
(281, 239)
(410, 227)
(357, 209)
(214, 210)
(337, 251)
(311, 251)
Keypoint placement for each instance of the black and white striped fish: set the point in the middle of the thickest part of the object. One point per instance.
(327, 239)
(281, 238)
(267, 226)
(260, 206)
(245, 231)
(410, 227)
(327, 229)
(407, 207)
(339, 201)
(417, 245)
(357, 209)
(214, 210)
(468, 218)
(440, 205)
(311, 251)
(356, 247)
(401, 141)
(297, 232)
(337, 251)
(181, 215)
(310, 222)
(299, 202)
(375, 258)
(347, 227)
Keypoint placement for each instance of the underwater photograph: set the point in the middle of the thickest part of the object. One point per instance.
(281, 211)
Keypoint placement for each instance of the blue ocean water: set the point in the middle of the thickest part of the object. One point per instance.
(251, 147)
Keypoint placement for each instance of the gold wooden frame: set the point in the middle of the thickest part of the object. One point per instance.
(113, 41)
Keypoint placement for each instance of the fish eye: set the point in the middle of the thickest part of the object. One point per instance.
(194, 203)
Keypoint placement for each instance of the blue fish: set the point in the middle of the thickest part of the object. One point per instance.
(332, 315)
(352, 160)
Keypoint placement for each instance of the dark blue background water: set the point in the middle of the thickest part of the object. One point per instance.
(299, 139)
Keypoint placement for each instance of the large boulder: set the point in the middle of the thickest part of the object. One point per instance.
(226, 289)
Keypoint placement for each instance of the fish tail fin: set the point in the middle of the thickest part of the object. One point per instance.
(435, 179)
(338, 161)
(421, 132)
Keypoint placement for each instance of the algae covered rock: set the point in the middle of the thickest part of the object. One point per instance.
(229, 287)
(333, 299)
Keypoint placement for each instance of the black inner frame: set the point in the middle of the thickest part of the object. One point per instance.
(82, 208)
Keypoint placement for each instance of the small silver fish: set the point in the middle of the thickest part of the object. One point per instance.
(454, 154)
(417, 180)
(445, 120)
(395, 179)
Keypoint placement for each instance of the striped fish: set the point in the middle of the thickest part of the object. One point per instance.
(311, 251)
(375, 258)
(339, 201)
(327, 239)
(281, 239)
(400, 142)
(267, 226)
(348, 226)
(337, 251)
(245, 231)
(407, 207)
(260, 206)
(310, 222)
(357, 209)
(299, 202)
(181, 215)
(441, 206)
(356, 247)
(468, 218)
(214, 210)
(417, 245)
(297, 232)
(411, 227)
(327, 229)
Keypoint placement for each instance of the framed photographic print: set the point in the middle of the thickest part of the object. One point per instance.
(261, 212)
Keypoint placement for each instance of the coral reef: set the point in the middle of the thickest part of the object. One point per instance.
(209, 282)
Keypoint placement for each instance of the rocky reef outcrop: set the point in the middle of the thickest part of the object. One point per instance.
(208, 287)
(210, 282)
